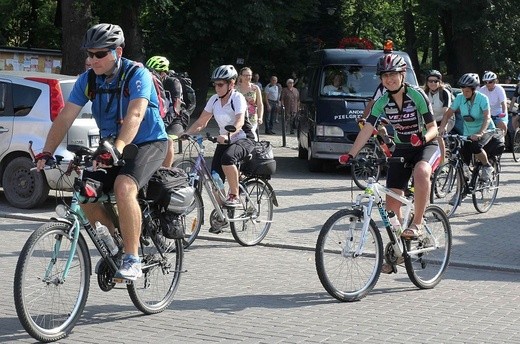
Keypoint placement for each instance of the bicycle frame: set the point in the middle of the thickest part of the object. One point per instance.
(201, 171)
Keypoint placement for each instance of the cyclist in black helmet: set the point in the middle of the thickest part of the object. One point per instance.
(131, 118)
(409, 111)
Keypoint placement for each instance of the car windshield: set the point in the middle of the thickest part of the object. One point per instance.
(66, 88)
(351, 81)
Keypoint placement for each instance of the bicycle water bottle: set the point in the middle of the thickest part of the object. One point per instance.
(104, 234)
(394, 221)
(218, 181)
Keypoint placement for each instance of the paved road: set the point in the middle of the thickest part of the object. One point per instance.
(271, 293)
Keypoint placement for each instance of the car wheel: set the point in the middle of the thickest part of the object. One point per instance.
(24, 188)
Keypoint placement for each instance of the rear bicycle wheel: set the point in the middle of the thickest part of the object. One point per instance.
(485, 192)
(345, 273)
(362, 171)
(516, 145)
(447, 186)
(48, 303)
(193, 219)
(155, 290)
(426, 259)
(256, 212)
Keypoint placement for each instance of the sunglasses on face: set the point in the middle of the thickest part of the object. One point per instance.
(98, 54)
(219, 84)
(490, 82)
(433, 81)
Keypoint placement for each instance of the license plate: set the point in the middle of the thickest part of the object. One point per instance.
(94, 140)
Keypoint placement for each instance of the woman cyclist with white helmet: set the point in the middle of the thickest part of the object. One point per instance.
(409, 111)
(229, 107)
(478, 126)
(497, 100)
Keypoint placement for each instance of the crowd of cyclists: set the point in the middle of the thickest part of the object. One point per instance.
(419, 117)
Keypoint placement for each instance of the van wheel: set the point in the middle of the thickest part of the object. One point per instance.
(24, 188)
(302, 152)
(313, 163)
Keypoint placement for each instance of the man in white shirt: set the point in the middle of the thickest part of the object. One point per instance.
(272, 100)
(497, 100)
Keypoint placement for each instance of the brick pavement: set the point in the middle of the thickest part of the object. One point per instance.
(234, 294)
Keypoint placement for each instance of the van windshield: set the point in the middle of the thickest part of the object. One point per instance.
(351, 81)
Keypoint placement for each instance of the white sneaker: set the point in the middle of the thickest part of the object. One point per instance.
(487, 172)
(130, 269)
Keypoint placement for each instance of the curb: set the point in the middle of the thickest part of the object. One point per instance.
(458, 264)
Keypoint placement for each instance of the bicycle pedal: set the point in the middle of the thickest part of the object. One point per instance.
(121, 280)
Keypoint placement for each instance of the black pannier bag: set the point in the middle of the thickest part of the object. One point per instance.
(262, 160)
(496, 144)
(170, 189)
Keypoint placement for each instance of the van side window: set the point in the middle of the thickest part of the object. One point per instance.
(3, 98)
(24, 98)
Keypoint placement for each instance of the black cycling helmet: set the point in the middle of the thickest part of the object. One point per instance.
(390, 63)
(104, 36)
(469, 80)
(435, 73)
(224, 72)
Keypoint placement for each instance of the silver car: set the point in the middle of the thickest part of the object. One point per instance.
(29, 102)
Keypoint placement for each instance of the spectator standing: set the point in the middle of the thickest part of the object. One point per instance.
(253, 95)
(291, 102)
(272, 102)
(497, 100)
(515, 99)
(256, 81)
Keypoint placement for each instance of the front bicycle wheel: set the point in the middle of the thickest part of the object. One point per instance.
(516, 145)
(188, 166)
(447, 186)
(49, 303)
(485, 192)
(426, 259)
(193, 219)
(255, 213)
(349, 261)
(361, 171)
(155, 290)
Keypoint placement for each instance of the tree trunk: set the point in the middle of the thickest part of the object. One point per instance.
(75, 19)
(133, 37)
(410, 35)
(200, 74)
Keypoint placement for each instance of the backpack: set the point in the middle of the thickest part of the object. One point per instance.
(189, 99)
(122, 89)
(261, 161)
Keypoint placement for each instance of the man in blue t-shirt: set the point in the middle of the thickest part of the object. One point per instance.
(126, 115)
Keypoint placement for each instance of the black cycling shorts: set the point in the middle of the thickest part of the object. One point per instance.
(231, 154)
(399, 173)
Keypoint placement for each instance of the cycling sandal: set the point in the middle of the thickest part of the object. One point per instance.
(412, 233)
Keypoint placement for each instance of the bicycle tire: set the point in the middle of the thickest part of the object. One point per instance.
(257, 217)
(447, 187)
(155, 290)
(193, 219)
(426, 269)
(516, 145)
(42, 310)
(361, 172)
(345, 276)
(485, 192)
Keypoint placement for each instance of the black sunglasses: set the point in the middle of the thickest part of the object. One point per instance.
(98, 54)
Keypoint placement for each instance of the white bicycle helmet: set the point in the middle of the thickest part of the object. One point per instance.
(469, 80)
(224, 72)
(489, 76)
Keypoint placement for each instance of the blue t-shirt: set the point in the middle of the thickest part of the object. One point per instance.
(472, 113)
(107, 115)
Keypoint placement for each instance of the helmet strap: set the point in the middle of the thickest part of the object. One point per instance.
(395, 91)
(229, 90)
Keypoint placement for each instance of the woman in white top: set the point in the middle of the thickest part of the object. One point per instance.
(440, 100)
(229, 108)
